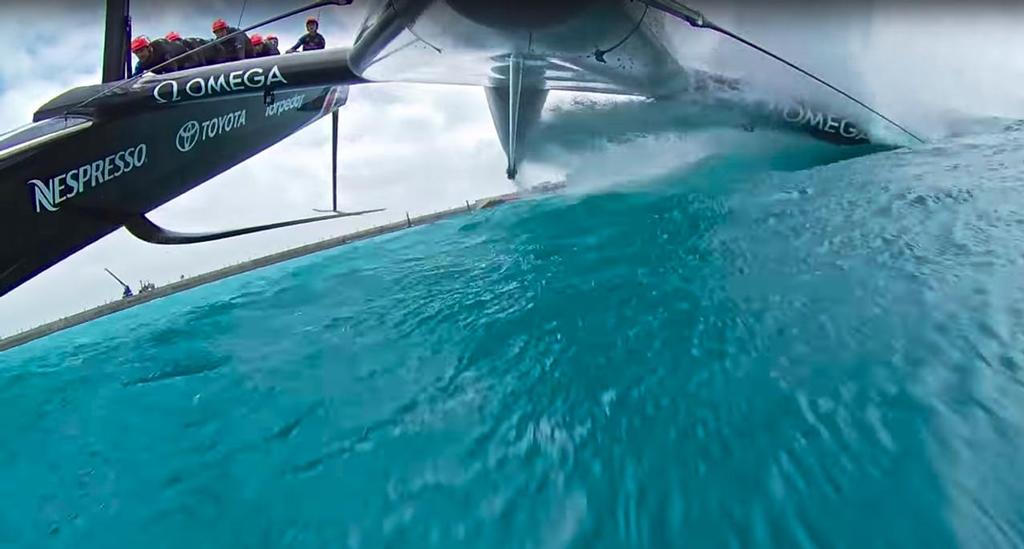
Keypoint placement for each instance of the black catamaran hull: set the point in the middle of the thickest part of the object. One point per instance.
(147, 144)
(128, 146)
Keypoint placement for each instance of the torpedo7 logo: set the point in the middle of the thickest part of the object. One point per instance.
(193, 132)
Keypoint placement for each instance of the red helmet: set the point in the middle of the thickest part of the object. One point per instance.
(312, 19)
(173, 36)
(256, 40)
(219, 24)
(140, 42)
(270, 37)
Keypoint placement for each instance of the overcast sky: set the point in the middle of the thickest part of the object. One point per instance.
(422, 148)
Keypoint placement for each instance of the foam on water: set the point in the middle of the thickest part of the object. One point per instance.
(723, 356)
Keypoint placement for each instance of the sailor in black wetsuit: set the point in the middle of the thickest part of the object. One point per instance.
(257, 45)
(141, 49)
(235, 48)
(179, 46)
(152, 55)
(270, 45)
(174, 49)
(203, 56)
(312, 40)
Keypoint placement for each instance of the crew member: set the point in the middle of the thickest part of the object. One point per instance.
(151, 55)
(257, 45)
(312, 40)
(141, 49)
(175, 50)
(270, 45)
(177, 47)
(236, 48)
(200, 56)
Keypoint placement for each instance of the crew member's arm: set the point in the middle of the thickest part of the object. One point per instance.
(299, 44)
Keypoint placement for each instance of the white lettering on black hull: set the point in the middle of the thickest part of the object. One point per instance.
(193, 132)
(173, 91)
(804, 116)
(285, 105)
(63, 187)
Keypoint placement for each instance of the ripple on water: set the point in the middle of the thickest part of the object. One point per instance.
(726, 357)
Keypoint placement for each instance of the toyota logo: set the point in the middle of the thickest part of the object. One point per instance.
(187, 136)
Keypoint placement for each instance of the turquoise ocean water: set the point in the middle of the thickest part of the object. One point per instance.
(724, 356)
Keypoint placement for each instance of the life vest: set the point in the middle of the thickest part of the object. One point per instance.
(175, 49)
(194, 43)
(235, 48)
(199, 57)
(250, 50)
(161, 52)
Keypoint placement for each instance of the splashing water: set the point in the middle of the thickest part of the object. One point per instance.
(721, 356)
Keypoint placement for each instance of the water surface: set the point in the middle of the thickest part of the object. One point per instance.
(727, 356)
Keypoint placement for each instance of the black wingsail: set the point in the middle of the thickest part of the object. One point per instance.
(115, 42)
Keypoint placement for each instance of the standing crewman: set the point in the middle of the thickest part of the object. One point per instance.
(235, 48)
(312, 40)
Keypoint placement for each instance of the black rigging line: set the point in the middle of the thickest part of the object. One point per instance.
(814, 77)
(599, 53)
(697, 19)
(244, 2)
(420, 38)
